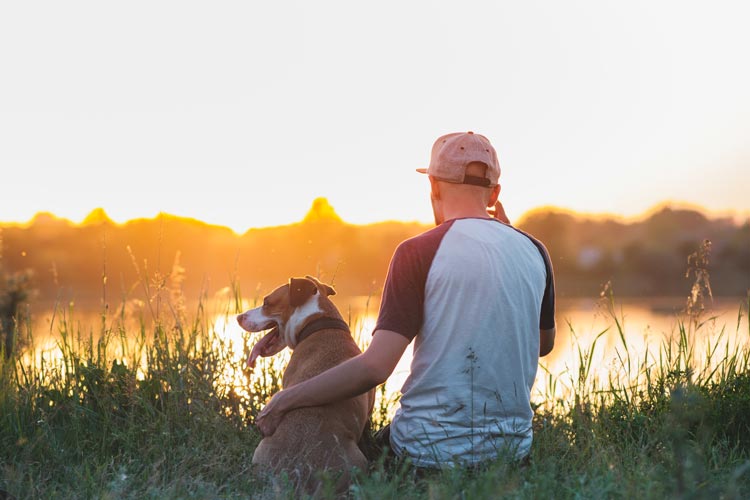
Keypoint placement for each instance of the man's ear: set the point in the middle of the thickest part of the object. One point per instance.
(494, 196)
(434, 188)
(300, 289)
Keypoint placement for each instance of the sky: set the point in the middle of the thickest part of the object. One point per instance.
(242, 113)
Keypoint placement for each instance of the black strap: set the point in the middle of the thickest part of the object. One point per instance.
(322, 324)
(476, 181)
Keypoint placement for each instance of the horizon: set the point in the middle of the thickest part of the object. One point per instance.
(642, 257)
(98, 214)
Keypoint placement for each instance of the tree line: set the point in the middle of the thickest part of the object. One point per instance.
(100, 260)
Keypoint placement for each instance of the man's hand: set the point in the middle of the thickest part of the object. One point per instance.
(498, 212)
(269, 417)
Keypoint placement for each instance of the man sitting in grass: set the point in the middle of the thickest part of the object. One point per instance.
(477, 297)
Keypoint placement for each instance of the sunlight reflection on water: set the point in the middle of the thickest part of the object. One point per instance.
(619, 338)
(645, 323)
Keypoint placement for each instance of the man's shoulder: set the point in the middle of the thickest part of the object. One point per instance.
(428, 239)
(521, 233)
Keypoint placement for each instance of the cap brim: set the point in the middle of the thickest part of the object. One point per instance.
(422, 170)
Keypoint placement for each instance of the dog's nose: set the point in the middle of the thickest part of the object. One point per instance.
(240, 317)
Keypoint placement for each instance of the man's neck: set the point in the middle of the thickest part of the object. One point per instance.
(465, 212)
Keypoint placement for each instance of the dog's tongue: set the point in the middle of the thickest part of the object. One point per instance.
(269, 345)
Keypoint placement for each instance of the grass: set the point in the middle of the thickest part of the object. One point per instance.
(145, 411)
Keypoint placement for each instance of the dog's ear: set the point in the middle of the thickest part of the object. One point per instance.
(300, 289)
(328, 289)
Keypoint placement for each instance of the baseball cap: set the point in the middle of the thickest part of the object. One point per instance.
(451, 153)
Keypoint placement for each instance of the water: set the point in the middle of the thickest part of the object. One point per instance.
(645, 323)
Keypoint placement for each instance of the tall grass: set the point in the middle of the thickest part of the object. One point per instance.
(671, 423)
(136, 409)
(144, 409)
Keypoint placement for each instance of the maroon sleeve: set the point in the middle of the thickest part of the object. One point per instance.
(402, 303)
(547, 314)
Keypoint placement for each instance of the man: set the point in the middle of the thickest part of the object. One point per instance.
(477, 297)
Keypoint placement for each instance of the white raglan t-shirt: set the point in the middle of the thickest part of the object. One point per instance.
(473, 294)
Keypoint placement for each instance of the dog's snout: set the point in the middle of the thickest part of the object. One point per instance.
(240, 318)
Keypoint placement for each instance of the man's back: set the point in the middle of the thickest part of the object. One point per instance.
(473, 290)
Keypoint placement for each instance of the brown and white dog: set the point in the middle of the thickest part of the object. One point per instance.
(321, 438)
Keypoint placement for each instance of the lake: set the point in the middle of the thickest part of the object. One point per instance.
(645, 322)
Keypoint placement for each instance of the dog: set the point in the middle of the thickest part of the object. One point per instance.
(300, 316)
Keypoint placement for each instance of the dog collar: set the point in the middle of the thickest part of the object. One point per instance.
(321, 324)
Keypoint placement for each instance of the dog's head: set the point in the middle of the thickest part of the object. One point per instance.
(285, 311)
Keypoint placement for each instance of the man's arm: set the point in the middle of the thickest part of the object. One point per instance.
(546, 341)
(351, 378)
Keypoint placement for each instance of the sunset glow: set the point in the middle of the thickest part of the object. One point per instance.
(242, 114)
